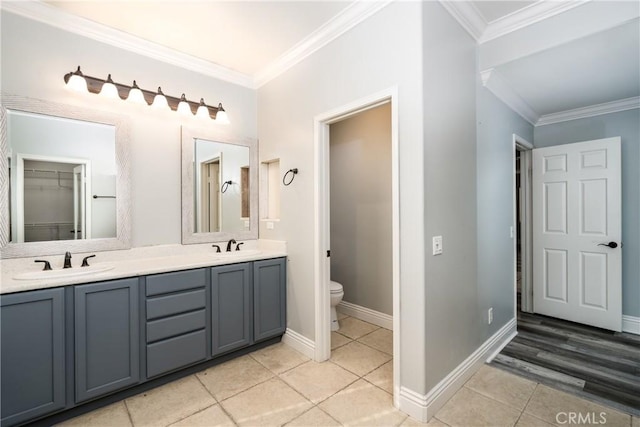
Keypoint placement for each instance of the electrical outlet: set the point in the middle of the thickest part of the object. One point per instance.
(490, 316)
(437, 245)
(269, 225)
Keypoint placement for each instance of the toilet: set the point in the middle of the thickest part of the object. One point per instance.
(336, 294)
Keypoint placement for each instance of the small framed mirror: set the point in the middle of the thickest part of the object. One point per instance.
(219, 187)
(64, 179)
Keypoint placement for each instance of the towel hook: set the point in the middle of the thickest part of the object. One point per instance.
(225, 186)
(293, 173)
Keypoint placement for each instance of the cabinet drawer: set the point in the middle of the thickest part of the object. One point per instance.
(178, 281)
(175, 304)
(174, 353)
(175, 325)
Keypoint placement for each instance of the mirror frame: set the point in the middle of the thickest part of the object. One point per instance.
(189, 135)
(123, 193)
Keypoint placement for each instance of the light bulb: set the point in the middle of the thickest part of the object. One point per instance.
(160, 102)
(76, 81)
(221, 116)
(183, 106)
(203, 110)
(109, 89)
(135, 95)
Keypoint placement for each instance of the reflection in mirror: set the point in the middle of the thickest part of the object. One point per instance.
(65, 179)
(58, 164)
(222, 201)
(219, 187)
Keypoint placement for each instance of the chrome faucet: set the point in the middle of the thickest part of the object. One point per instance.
(67, 260)
(229, 243)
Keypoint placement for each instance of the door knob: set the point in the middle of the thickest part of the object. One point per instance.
(612, 245)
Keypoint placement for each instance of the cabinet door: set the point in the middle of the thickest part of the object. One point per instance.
(231, 307)
(269, 298)
(106, 337)
(32, 351)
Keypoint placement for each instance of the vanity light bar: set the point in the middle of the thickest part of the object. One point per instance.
(80, 82)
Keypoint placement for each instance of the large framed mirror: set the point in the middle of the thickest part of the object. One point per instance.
(64, 179)
(219, 187)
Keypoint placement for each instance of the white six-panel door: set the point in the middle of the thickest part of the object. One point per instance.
(576, 211)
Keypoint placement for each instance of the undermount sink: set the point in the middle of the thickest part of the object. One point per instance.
(237, 254)
(66, 272)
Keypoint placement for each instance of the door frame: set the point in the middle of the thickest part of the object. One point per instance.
(322, 272)
(526, 231)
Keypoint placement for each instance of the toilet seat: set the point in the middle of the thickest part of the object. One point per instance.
(335, 287)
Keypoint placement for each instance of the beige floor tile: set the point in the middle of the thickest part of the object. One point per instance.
(169, 403)
(527, 420)
(358, 358)
(468, 408)
(382, 377)
(355, 328)
(213, 416)
(547, 404)
(338, 340)
(315, 417)
(380, 339)
(268, 404)
(433, 422)
(115, 415)
(234, 376)
(635, 422)
(363, 404)
(341, 315)
(502, 386)
(279, 357)
(317, 381)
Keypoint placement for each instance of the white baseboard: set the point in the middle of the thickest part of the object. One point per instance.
(631, 324)
(423, 407)
(300, 343)
(366, 314)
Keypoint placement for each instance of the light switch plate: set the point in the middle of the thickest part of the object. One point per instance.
(269, 225)
(437, 245)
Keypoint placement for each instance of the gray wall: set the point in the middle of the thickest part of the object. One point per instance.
(383, 51)
(361, 208)
(496, 125)
(625, 124)
(452, 317)
(34, 59)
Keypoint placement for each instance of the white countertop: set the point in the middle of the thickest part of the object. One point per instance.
(133, 262)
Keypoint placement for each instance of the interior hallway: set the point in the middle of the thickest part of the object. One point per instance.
(278, 386)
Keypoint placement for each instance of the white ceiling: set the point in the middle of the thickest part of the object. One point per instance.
(244, 36)
(260, 38)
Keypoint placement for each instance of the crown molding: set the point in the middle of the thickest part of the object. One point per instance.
(472, 20)
(493, 81)
(590, 111)
(351, 16)
(467, 15)
(526, 16)
(53, 16)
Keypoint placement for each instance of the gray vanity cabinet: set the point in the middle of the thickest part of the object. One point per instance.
(231, 308)
(106, 337)
(32, 364)
(269, 298)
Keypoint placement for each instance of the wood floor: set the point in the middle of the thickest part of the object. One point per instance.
(593, 363)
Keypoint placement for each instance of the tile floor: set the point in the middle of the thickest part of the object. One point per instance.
(278, 386)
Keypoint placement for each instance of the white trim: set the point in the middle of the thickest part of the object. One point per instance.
(56, 17)
(468, 16)
(631, 324)
(299, 343)
(590, 111)
(493, 81)
(321, 223)
(525, 147)
(375, 317)
(348, 18)
(526, 16)
(423, 407)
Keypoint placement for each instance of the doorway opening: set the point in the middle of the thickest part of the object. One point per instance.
(322, 220)
(523, 243)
